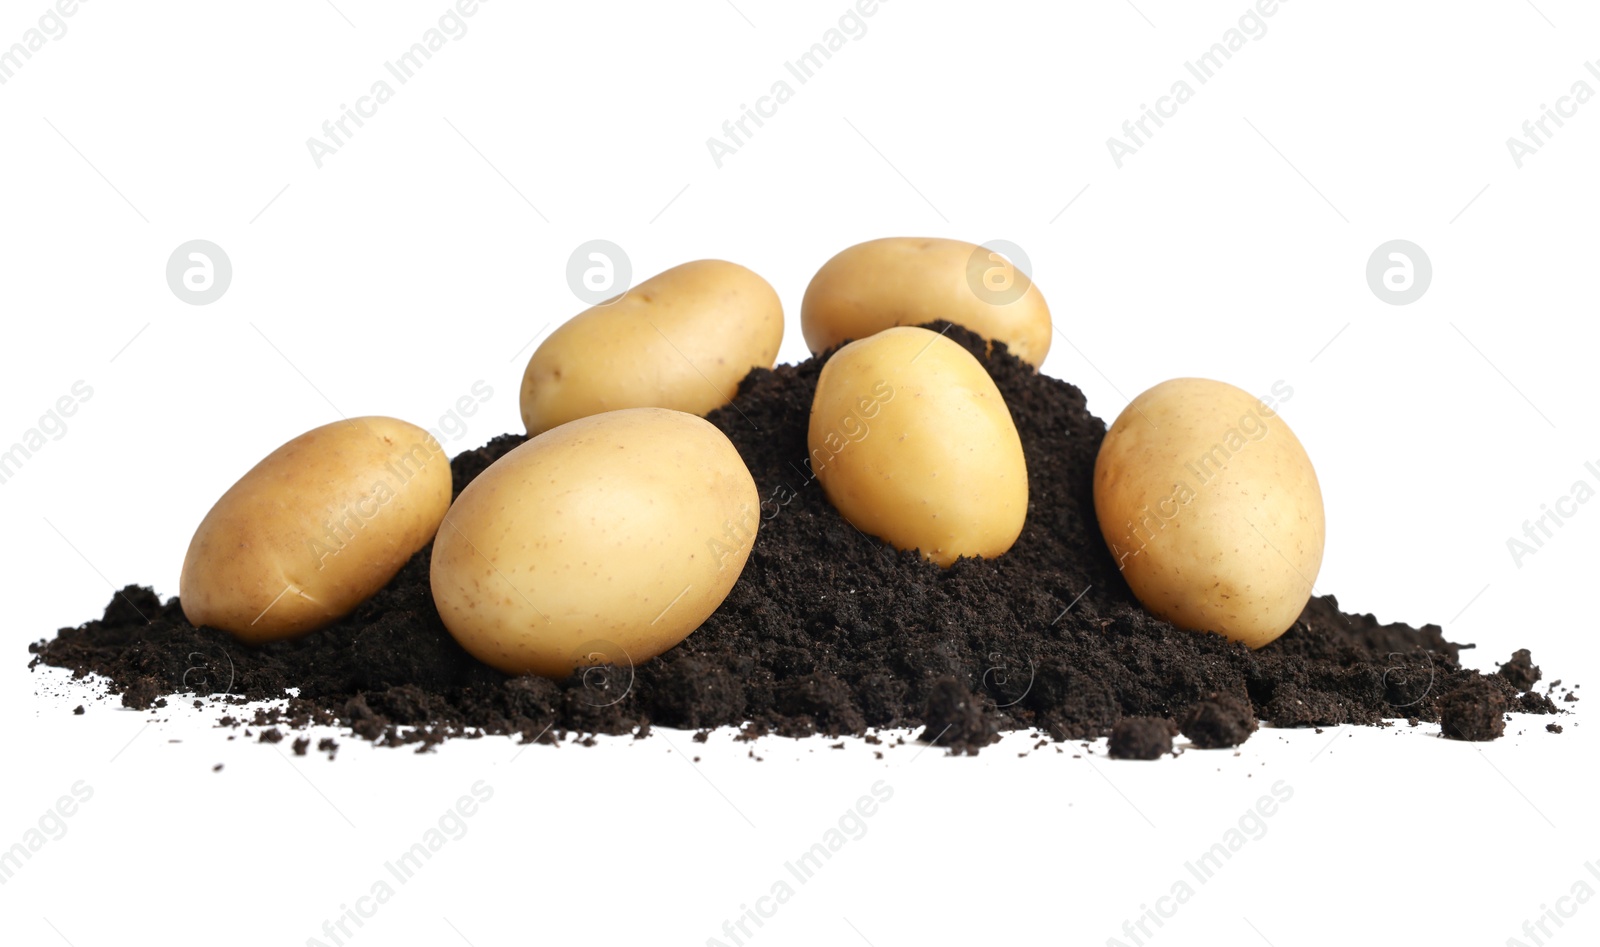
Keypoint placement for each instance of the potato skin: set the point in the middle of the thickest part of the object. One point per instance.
(1212, 509)
(682, 339)
(315, 529)
(909, 281)
(913, 443)
(606, 540)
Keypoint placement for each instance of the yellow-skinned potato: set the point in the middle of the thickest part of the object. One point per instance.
(913, 443)
(316, 528)
(1211, 509)
(909, 281)
(682, 339)
(604, 541)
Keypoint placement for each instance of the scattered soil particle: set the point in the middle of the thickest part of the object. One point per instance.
(301, 745)
(1218, 721)
(1521, 671)
(1474, 710)
(1141, 738)
(1554, 727)
(273, 735)
(827, 630)
(957, 719)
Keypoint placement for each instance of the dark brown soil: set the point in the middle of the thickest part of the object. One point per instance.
(1217, 722)
(957, 718)
(830, 631)
(1521, 671)
(1141, 738)
(1474, 710)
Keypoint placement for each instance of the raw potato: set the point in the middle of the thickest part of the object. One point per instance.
(1212, 509)
(315, 529)
(605, 541)
(908, 281)
(913, 443)
(682, 339)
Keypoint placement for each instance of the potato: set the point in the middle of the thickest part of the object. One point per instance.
(908, 281)
(604, 541)
(682, 339)
(913, 443)
(315, 529)
(1211, 509)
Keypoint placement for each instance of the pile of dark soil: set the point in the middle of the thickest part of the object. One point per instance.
(831, 631)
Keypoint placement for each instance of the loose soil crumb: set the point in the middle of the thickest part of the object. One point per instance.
(1219, 721)
(1521, 671)
(827, 631)
(1141, 738)
(1474, 710)
(958, 719)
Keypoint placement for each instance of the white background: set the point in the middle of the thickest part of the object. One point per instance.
(432, 247)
